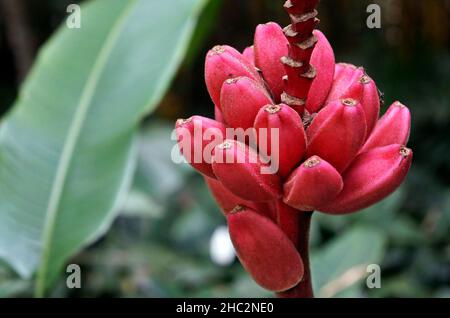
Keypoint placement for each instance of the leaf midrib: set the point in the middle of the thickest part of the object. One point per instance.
(70, 143)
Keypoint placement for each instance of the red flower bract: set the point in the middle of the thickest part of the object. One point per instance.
(332, 151)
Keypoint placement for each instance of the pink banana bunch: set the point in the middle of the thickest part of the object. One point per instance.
(335, 154)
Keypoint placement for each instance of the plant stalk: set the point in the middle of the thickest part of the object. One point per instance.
(299, 234)
(299, 71)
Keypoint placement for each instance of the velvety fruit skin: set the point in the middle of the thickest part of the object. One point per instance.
(291, 135)
(249, 55)
(337, 133)
(370, 102)
(241, 99)
(313, 184)
(225, 198)
(187, 128)
(373, 176)
(264, 250)
(322, 59)
(393, 128)
(243, 176)
(222, 63)
(270, 46)
(228, 201)
(218, 115)
(347, 83)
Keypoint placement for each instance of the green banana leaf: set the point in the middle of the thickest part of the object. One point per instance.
(67, 147)
(339, 267)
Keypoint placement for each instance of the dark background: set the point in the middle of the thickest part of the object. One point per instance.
(159, 246)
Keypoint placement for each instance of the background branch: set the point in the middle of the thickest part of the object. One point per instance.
(19, 35)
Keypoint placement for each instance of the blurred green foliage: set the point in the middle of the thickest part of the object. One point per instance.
(159, 246)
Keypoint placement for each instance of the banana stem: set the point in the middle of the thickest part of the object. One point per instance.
(299, 71)
(296, 225)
